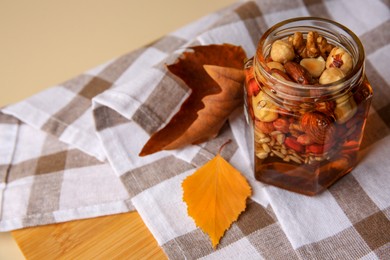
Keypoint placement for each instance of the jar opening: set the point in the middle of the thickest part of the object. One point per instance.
(335, 33)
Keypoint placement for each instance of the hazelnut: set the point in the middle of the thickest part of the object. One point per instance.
(339, 58)
(282, 51)
(275, 65)
(315, 66)
(345, 109)
(264, 109)
(331, 75)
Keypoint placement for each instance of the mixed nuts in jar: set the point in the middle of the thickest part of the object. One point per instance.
(307, 99)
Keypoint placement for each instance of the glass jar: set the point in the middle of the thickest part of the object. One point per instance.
(307, 123)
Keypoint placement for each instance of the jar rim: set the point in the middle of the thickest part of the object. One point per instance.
(330, 87)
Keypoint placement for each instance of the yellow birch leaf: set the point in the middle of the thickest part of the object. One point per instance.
(215, 196)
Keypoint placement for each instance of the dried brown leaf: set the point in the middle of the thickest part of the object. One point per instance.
(215, 94)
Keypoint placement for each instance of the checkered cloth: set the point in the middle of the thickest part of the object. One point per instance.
(71, 151)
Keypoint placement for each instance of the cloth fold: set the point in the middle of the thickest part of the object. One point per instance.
(71, 152)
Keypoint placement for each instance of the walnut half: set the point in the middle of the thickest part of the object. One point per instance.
(311, 47)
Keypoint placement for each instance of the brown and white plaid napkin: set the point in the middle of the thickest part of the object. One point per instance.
(71, 151)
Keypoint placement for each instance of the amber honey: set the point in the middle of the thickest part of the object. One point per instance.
(306, 137)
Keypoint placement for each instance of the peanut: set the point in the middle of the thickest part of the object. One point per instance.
(266, 147)
(262, 154)
(280, 138)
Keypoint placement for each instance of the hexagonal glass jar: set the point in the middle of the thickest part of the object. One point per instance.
(305, 137)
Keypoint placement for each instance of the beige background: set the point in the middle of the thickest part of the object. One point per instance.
(46, 42)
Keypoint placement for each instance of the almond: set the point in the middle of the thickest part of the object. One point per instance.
(318, 126)
(276, 73)
(298, 73)
(304, 139)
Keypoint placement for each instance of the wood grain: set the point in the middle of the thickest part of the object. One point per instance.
(122, 236)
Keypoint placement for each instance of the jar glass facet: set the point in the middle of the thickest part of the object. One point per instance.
(306, 137)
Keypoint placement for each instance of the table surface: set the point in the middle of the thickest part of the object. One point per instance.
(122, 236)
(42, 45)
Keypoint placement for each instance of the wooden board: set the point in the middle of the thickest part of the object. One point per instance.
(122, 236)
